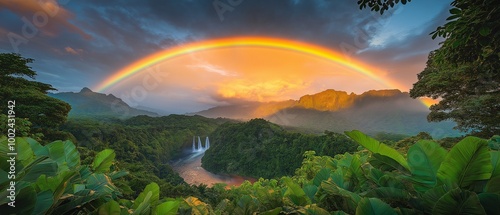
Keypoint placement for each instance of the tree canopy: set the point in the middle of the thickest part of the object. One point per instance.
(31, 99)
(464, 72)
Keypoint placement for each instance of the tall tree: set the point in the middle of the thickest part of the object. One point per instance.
(464, 71)
(31, 99)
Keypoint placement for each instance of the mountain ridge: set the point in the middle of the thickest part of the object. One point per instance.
(90, 103)
(372, 111)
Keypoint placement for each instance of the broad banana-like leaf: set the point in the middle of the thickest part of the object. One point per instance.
(424, 159)
(494, 142)
(40, 166)
(37, 148)
(103, 160)
(375, 146)
(144, 206)
(432, 195)
(493, 185)
(167, 208)
(65, 154)
(25, 154)
(386, 163)
(350, 199)
(315, 210)
(490, 202)
(155, 195)
(374, 206)
(24, 203)
(458, 201)
(495, 163)
(44, 201)
(197, 206)
(295, 192)
(110, 208)
(389, 193)
(310, 191)
(467, 162)
(275, 211)
(321, 176)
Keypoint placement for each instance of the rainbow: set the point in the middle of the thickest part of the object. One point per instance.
(268, 42)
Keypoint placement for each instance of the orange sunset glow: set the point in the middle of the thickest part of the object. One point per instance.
(241, 69)
(250, 74)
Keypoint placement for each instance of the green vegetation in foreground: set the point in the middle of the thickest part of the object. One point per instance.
(258, 148)
(376, 180)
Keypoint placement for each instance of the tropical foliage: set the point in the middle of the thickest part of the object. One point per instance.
(375, 180)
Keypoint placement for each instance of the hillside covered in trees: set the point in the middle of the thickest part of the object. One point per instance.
(258, 148)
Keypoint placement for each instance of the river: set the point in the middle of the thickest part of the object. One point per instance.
(189, 168)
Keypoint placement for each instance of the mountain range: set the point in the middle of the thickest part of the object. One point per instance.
(89, 103)
(371, 112)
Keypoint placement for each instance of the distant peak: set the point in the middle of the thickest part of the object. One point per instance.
(86, 90)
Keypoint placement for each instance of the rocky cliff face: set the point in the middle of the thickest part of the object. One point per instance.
(328, 100)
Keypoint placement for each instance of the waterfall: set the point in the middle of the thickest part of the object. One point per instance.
(194, 147)
(200, 148)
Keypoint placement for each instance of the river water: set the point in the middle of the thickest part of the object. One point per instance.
(189, 168)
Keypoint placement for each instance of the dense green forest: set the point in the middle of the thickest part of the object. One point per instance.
(143, 145)
(262, 149)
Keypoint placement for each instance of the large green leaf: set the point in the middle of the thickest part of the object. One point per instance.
(110, 208)
(275, 211)
(64, 153)
(490, 202)
(144, 206)
(458, 201)
(374, 206)
(432, 195)
(25, 154)
(424, 159)
(198, 207)
(152, 188)
(37, 148)
(103, 160)
(386, 163)
(40, 166)
(44, 201)
(315, 210)
(310, 191)
(467, 162)
(350, 199)
(321, 176)
(495, 162)
(24, 203)
(389, 193)
(493, 185)
(167, 208)
(295, 192)
(376, 147)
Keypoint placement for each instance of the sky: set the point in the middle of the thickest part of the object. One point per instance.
(79, 44)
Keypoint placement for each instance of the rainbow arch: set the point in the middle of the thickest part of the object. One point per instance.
(240, 42)
(269, 42)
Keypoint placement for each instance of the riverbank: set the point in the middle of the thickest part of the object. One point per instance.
(189, 168)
